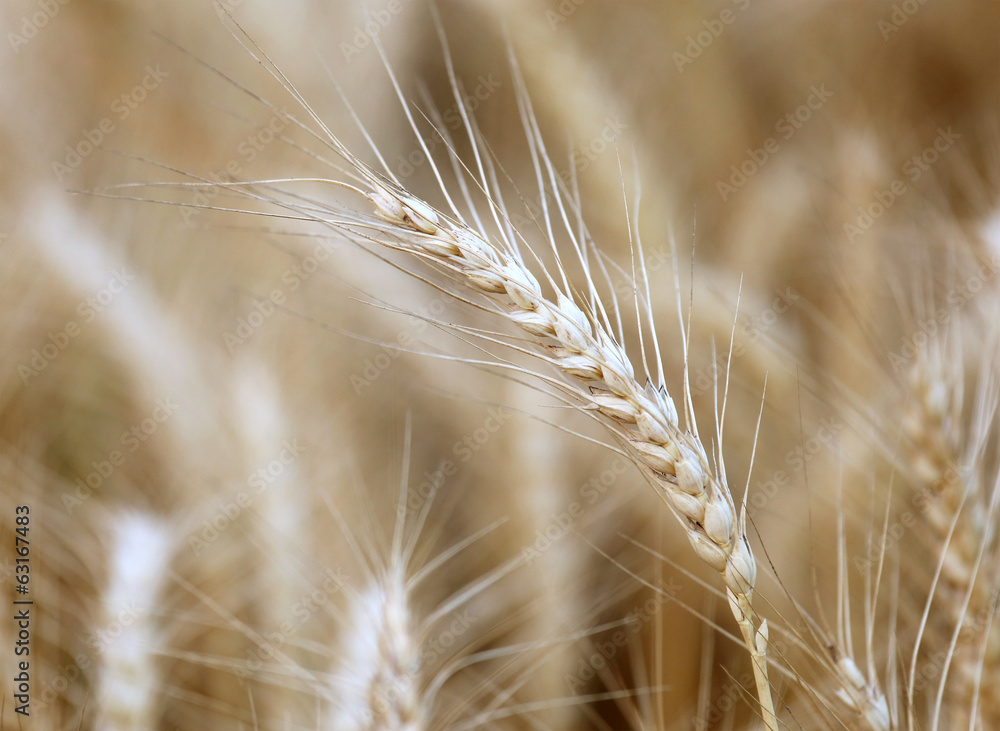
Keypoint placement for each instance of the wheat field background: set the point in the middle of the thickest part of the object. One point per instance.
(275, 476)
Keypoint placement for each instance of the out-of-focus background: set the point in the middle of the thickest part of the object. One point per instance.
(213, 479)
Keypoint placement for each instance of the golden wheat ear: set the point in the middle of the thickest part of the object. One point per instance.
(569, 328)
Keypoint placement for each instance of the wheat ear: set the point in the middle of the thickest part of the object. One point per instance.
(384, 652)
(579, 344)
(645, 417)
(129, 641)
(961, 499)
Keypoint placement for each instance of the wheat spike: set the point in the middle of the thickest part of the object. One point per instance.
(130, 640)
(579, 343)
(644, 416)
(384, 659)
(958, 493)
